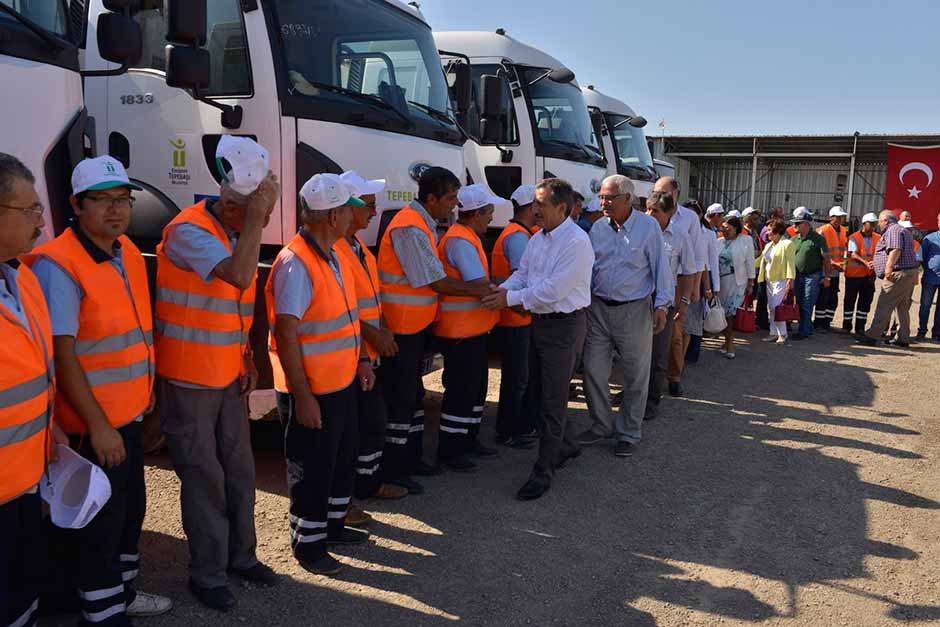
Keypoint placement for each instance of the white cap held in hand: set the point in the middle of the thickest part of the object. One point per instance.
(242, 162)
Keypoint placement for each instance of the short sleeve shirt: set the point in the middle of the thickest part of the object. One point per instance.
(810, 252)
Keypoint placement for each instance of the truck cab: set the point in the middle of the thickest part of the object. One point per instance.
(542, 126)
(622, 139)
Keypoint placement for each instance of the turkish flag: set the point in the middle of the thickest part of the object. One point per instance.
(913, 183)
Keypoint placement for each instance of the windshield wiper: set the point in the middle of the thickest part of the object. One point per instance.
(367, 98)
(38, 30)
(434, 113)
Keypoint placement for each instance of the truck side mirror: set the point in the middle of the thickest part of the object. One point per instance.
(119, 39)
(186, 22)
(561, 75)
(461, 87)
(638, 121)
(187, 68)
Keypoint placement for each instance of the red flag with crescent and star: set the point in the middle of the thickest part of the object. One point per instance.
(913, 183)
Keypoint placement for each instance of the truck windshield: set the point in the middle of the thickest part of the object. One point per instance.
(51, 15)
(560, 114)
(351, 55)
(630, 144)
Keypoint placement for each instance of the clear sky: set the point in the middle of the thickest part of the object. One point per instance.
(737, 66)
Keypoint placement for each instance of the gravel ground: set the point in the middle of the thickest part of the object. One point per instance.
(794, 486)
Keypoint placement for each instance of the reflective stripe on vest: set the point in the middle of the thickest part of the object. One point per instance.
(27, 390)
(502, 271)
(367, 283)
(328, 332)
(462, 316)
(407, 310)
(856, 269)
(114, 344)
(835, 242)
(201, 328)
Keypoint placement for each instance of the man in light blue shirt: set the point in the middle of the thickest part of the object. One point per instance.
(632, 291)
(928, 256)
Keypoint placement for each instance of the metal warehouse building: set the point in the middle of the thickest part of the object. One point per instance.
(815, 171)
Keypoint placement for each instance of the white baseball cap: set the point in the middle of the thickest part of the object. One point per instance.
(476, 196)
(360, 186)
(593, 206)
(734, 213)
(327, 191)
(248, 163)
(907, 224)
(837, 211)
(714, 209)
(524, 195)
(76, 489)
(869, 217)
(102, 172)
(802, 214)
(748, 212)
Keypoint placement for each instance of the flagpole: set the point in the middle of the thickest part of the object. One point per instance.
(848, 205)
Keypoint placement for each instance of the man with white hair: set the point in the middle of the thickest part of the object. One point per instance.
(632, 290)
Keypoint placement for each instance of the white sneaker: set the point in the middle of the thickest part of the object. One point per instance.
(149, 605)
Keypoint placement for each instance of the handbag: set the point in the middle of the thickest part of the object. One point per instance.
(715, 320)
(788, 310)
(745, 318)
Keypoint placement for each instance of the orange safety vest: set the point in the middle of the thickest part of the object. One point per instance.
(462, 316)
(329, 330)
(114, 344)
(200, 328)
(27, 390)
(502, 271)
(854, 268)
(407, 310)
(835, 242)
(367, 285)
(791, 231)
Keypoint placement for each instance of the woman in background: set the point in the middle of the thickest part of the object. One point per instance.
(736, 269)
(778, 271)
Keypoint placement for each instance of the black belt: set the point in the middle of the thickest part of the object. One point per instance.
(616, 303)
(555, 315)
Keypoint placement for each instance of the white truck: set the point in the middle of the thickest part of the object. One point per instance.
(622, 139)
(527, 119)
(326, 86)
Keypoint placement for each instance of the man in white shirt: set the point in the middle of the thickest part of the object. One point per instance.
(553, 282)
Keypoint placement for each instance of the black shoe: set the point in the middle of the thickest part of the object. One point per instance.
(616, 400)
(477, 449)
(575, 454)
(460, 463)
(623, 449)
(409, 484)
(921, 335)
(534, 434)
(532, 490)
(427, 470)
(326, 565)
(867, 341)
(898, 343)
(516, 442)
(219, 598)
(796, 337)
(822, 329)
(675, 389)
(259, 573)
(936, 338)
(349, 535)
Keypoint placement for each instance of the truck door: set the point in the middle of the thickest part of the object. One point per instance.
(166, 138)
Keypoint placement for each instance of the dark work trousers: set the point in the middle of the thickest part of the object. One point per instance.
(763, 316)
(859, 294)
(514, 377)
(659, 364)
(209, 442)
(827, 303)
(320, 469)
(464, 377)
(102, 558)
(372, 422)
(404, 400)
(556, 344)
(22, 557)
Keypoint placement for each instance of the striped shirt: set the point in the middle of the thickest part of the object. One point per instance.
(895, 237)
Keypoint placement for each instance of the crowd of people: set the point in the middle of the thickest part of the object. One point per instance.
(607, 288)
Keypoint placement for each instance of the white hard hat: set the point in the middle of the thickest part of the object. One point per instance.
(524, 195)
(360, 186)
(734, 213)
(476, 196)
(248, 163)
(99, 173)
(714, 209)
(869, 217)
(327, 191)
(837, 211)
(76, 489)
(748, 212)
(802, 214)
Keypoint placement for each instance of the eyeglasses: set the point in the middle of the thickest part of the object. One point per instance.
(113, 203)
(34, 210)
(610, 198)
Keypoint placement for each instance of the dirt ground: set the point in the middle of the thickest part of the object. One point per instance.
(792, 486)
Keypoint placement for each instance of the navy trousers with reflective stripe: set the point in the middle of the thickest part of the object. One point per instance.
(320, 469)
(94, 554)
(404, 399)
(22, 556)
(373, 419)
(464, 380)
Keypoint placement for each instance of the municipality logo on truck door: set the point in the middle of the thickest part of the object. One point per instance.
(179, 173)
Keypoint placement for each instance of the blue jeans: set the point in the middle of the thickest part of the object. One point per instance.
(807, 291)
(928, 295)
